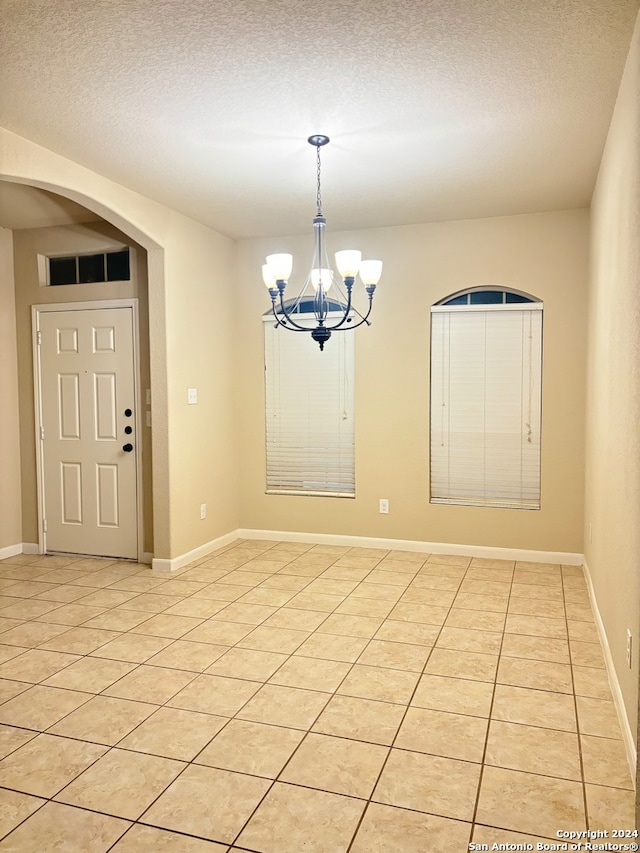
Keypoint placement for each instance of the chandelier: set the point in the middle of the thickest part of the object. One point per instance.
(331, 314)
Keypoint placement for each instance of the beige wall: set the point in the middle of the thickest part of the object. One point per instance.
(543, 254)
(73, 239)
(194, 297)
(612, 504)
(200, 354)
(191, 319)
(10, 489)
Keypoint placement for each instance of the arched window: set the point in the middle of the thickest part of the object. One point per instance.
(487, 296)
(486, 372)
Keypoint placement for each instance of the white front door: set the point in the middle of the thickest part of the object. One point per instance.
(88, 431)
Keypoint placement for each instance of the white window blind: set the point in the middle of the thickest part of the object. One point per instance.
(486, 370)
(309, 414)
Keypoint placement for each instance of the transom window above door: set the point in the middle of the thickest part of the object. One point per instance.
(111, 265)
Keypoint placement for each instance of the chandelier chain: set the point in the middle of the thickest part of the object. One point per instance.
(319, 194)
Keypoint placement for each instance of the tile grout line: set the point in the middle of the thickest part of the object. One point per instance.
(490, 713)
(406, 711)
(575, 710)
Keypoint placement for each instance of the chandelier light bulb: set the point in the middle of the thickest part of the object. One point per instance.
(370, 272)
(267, 276)
(321, 276)
(348, 262)
(280, 266)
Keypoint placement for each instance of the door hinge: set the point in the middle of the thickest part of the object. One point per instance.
(44, 524)
(39, 338)
(41, 433)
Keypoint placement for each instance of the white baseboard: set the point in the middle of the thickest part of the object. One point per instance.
(10, 551)
(174, 563)
(20, 548)
(488, 552)
(616, 691)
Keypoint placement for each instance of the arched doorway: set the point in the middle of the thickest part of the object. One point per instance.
(102, 227)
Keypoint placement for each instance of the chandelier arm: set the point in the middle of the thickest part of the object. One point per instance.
(355, 325)
(349, 306)
(363, 317)
(361, 323)
(346, 310)
(291, 325)
(291, 329)
(294, 326)
(277, 319)
(349, 300)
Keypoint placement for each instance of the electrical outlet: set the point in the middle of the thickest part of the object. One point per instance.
(192, 396)
(384, 506)
(629, 647)
(203, 511)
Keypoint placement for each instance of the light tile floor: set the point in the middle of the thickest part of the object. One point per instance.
(282, 697)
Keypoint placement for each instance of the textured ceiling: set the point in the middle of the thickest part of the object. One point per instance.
(437, 109)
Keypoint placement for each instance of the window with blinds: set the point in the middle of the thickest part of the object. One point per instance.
(309, 414)
(486, 371)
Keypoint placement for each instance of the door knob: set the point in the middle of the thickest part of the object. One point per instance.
(127, 448)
